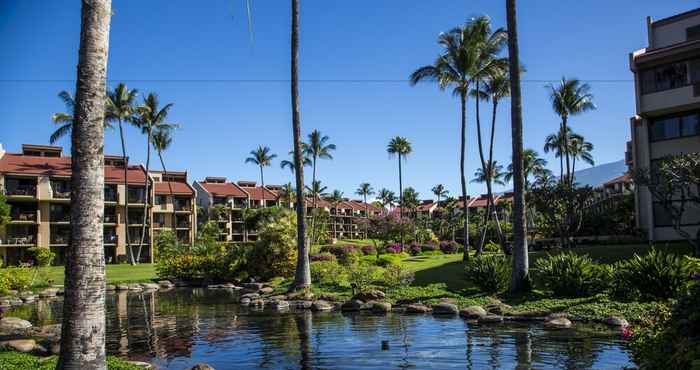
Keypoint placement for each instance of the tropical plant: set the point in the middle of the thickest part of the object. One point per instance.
(570, 275)
(317, 148)
(261, 157)
(655, 275)
(285, 163)
(5, 211)
(274, 253)
(534, 166)
(580, 149)
(410, 201)
(65, 120)
(494, 175)
(440, 192)
(83, 328)
(365, 190)
(287, 194)
(162, 139)
(387, 197)
(489, 272)
(401, 148)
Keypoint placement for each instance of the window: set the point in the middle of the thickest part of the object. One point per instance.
(692, 33)
(664, 77)
(672, 127)
(160, 199)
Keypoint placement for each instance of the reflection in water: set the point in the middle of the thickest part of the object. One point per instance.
(178, 328)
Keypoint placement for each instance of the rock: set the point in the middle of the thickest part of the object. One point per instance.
(302, 305)
(280, 297)
(556, 315)
(490, 319)
(110, 287)
(257, 302)
(135, 287)
(300, 296)
(266, 290)
(445, 309)
(381, 307)
(182, 284)
(279, 305)
(327, 297)
(251, 296)
(370, 295)
(122, 287)
(557, 323)
(417, 308)
(321, 305)
(141, 364)
(150, 286)
(48, 293)
(245, 301)
(14, 301)
(252, 286)
(165, 284)
(51, 332)
(472, 312)
(55, 348)
(14, 323)
(21, 345)
(495, 309)
(28, 298)
(352, 305)
(202, 367)
(616, 321)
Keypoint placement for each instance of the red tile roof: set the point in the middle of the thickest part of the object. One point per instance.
(12, 163)
(480, 202)
(425, 206)
(624, 179)
(224, 189)
(256, 193)
(166, 187)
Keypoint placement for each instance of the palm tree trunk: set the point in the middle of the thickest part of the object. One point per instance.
(262, 184)
(565, 136)
(170, 186)
(83, 329)
(520, 277)
(302, 276)
(401, 198)
(486, 171)
(145, 204)
(465, 205)
(489, 181)
(312, 239)
(125, 160)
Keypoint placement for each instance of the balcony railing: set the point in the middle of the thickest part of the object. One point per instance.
(60, 189)
(60, 238)
(183, 224)
(110, 218)
(110, 239)
(137, 197)
(136, 219)
(60, 216)
(28, 190)
(110, 194)
(182, 206)
(19, 239)
(24, 216)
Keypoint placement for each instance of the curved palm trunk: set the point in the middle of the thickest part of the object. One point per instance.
(170, 186)
(125, 160)
(489, 182)
(83, 329)
(302, 276)
(146, 184)
(565, 136)
(520, 277)
(486, 172)
(465, 203)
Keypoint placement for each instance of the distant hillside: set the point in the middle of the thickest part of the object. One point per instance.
(596, 176)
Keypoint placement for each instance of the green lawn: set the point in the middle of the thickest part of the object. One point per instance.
(115, 273)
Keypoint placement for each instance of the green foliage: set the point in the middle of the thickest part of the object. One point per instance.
(4, 211)
(570, 275)
(655, 275)
(42, 256)
(491, 273)
(22, 361)
(397, 275)
(424, 235)
(390, 259)
(329, 273)
(207, 240)
(166, 245)
(362, 275)
(492, 247)
(275, 252)
(15, 278)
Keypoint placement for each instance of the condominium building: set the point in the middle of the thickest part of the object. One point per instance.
(667, 92)
(36, 182)
(174, 205)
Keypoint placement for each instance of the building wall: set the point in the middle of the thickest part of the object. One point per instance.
(666, 34)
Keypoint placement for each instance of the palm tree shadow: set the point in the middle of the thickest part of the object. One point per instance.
(451, 274)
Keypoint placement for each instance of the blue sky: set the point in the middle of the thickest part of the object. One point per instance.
(231, 94)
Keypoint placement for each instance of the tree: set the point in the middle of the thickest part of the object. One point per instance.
(287, 194)
(316, 189)
(65, 120)
(520, 277)
(150, 118)
(533, 166)
(581, 149)
(570, 98)
(410, 201)
(302, 276)
(317, 148)
(262, 158)
(494, 174)
(464, 60)
(162, 139)
(440, 192)
(285, 163)
(365, 190)
(120, 109)
(400, 147)
(83, 329)
(387, 197)
(555, 143)
(5, 210)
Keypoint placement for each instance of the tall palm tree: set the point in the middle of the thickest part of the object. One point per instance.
(316, 189)
(410, 201)
(65, 120)
(571, 97)
(520, 276)
(150, 118)
(581, 149)
(462, 62)
(261, 157)
(162, 139)
(317, 148)
(555, 143)
(287, 194)
(440, 192)
(365, 190)
(120, 108)
(285, 163)
(533, 166)
(83, 330)
(494, 173)
(400, 147)
(302, 275)
(387, 197)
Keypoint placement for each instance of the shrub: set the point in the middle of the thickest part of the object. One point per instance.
(492, 247)
(394, 249)
(656, 275)
(166, 245)
(491, 273)
(430, 246)
(322, 257)
(414, 249)
(345, 254)
(570, 275)
(42, 256)
(424, 235)
(389, 259)
(328, 273)
(275, 252)
(368, 250)
(362, 275)
(396, 275)
(15, 278)
(449, 247)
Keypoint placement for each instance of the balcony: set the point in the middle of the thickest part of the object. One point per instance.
(20, 187)
(110, 238)
(110, 216)
(182, 205)
(23, 215)
(59, 213)
(183, 224)
(111, 194)
(136, 218)
(60, 189)
(137, 195)
(135, 237)
(60, 235)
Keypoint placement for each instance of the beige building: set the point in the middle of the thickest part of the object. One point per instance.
(667, 91)
(174, 205)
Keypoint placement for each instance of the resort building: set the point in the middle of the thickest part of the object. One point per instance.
(174, 205)
(36, 183)
(667, 92)
(345, 218)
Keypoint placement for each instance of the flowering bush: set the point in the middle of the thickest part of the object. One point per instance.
(368, 250)
(449, 247)
(414, 248)
(323, 257)
(430, 246)
(394, 249)
(346, 254)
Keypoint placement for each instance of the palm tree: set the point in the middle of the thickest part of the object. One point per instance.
(65, 120)
(120, 108)
(317, 148)
(581, 149)
(285, 163)
(161, 142)
(83, 329)
(334, 199)
(464, 60)
(400, 147)
(316, 189)
(520, 276)
(440, 192)
(150, 118)
(365, 190)
(494, 173)
(387, 197)
(555, 143)
(262, 158)
(302, 275)
(410, 201)
(570, 98)
(533, 166)
(287, 194)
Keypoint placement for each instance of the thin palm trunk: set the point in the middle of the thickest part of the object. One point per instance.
(302, 277)
(489, 181)
(520, 278)
(125, 160)
(313, 203)
(262, 184)
(170, 186)
(465, 205)
(83, 329)
(486, 171)
(145, 203)
(401, 205)
(565, 136)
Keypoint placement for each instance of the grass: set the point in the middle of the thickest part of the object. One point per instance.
(123, 273)
(23, 361)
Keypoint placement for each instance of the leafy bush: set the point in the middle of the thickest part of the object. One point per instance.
(449, 247)
(322, 257)
(396, 275)
(414, 249)
(424, 235)
(430, 246)
(394, 249)
(328, 273)
(570, 275)
(166, 245)
(368, 250)
(15, 278)
(492, 247)
(491, 273)
(656, 275)
(389, 259)
(275, 252)
(362, 275)
(42, 256)
(10, 360)
(345, 254)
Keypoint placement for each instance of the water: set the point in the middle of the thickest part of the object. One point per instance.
(178, 328)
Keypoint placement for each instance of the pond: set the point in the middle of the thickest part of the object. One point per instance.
(178, 328)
